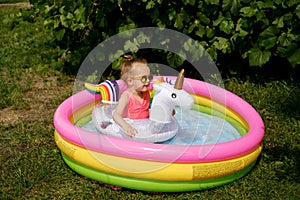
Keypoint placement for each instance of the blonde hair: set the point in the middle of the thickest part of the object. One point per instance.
(127, 65)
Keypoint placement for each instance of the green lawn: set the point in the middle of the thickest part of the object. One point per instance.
(31, 88)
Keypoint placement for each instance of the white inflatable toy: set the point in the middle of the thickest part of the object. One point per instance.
(160, 126)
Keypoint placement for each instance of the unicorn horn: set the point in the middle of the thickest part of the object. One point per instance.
(179, 80)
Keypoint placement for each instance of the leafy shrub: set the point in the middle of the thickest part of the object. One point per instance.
(230, 30)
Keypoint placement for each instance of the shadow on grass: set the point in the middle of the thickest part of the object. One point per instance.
(285, 162)
(290, 105)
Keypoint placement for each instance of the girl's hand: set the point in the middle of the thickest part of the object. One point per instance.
(129, 130)
(117, 116)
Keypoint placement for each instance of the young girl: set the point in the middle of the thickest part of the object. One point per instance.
(134, 101)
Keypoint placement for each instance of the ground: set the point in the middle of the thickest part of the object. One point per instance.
(41, 96)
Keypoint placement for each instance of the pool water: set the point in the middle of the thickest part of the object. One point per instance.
(195, 128)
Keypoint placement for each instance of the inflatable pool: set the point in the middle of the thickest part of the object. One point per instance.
(169, 166)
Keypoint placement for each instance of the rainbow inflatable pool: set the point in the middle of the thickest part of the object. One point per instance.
(161, 167)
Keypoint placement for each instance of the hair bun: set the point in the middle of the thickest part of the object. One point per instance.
(128, 57)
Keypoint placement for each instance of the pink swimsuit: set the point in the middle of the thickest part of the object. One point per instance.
(137, 109)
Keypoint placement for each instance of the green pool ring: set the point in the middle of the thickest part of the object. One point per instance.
(153, 185)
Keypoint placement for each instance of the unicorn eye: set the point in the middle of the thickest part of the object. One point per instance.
(173, 95)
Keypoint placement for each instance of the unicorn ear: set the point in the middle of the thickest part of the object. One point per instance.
(179, 80)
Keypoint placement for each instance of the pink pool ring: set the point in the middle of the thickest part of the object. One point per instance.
(64, 125)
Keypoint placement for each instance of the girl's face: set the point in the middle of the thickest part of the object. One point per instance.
(141, 77)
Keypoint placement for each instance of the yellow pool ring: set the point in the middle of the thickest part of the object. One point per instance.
(155, 170)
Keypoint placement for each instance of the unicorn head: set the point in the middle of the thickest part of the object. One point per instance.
(167, 97)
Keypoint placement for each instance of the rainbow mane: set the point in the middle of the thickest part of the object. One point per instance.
(108, 89)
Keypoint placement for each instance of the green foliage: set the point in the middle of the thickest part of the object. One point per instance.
(256, 31)
(24, 48)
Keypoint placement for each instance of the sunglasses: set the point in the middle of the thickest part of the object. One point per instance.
(144, 78)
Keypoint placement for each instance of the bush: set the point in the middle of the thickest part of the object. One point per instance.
(232, 31)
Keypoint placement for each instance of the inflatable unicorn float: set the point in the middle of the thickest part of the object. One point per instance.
(160, 126)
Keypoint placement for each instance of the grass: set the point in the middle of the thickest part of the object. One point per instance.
(31, 165)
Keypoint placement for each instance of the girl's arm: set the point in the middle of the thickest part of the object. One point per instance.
(118, 116)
